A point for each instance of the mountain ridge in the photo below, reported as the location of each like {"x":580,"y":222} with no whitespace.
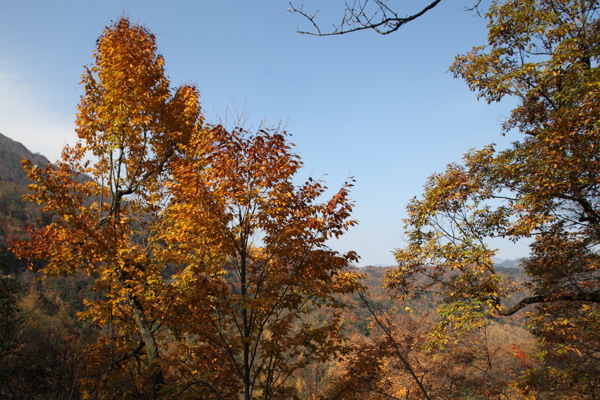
{"x":15,"y":213}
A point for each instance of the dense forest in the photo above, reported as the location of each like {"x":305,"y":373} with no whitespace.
{"x":167,"y":257}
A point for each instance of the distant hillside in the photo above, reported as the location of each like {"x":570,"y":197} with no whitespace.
{"x":516,"y":263}
{"x":11,"y":154}
{"x":15,"y":214}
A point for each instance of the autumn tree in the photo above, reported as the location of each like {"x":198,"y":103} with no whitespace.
{"x":237,"y":215}
{"x":107,"y":194}
{"x":544,"y":188}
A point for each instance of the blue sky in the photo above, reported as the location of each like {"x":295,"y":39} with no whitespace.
{"x":382,"y":109}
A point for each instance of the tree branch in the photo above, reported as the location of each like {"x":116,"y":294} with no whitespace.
{"x":388,"y":332}
{"x":585,"y":297}
{"x":356,"y":19}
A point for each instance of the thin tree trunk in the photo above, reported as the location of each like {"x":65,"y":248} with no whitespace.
{"x":152,"y":355}
{"x":156,"y":375}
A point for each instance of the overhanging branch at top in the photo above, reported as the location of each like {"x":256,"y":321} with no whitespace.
{"x":364,"y":14}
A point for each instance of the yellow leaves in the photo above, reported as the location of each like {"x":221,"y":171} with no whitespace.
{"x":187,"y":229}
{"x":543,"y":187}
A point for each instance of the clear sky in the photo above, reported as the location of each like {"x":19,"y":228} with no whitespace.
{"x":382,"y":109}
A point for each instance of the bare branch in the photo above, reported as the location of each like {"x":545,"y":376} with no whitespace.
{"x":475,"y":8}
{"x":364,"y":14}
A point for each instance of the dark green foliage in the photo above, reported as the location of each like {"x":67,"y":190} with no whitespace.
{"x":44,"y":355}
{"x":8,"y":310}
{"x":40,"y":337}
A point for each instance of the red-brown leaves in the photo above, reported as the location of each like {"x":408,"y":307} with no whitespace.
{"x":236,"y":212}
{"x":205,"y":253}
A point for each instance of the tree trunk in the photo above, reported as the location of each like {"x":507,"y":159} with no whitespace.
{"x":156,"y":376}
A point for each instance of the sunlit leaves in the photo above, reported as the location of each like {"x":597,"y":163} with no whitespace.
{"x":237,"y":215}
{"x":205,"y":252}
{"x":107,"y":194}
{"x":543,"y":187}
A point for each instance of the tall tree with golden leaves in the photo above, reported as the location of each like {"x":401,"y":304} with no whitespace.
{"x":107,"y":194}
